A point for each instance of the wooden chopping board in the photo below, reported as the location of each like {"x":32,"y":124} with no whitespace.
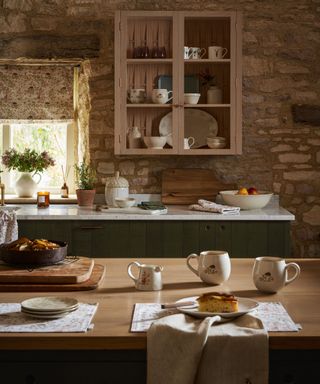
{"x":187,"y":186}
{"x":70,"y":271}
{"x":96,"y":277}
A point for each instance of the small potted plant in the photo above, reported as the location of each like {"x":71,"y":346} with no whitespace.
{"x":28,"y":163}
{"x":85,"y":179}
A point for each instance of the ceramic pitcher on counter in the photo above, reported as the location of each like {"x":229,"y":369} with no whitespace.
{"x":149,"y":276}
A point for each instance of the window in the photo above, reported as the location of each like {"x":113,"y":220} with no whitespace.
{"x":54,"y":137}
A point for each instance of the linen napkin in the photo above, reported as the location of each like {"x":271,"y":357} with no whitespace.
{"x":183,"y":350}
{"x":210,"y":206}
{"x":8,"y":227}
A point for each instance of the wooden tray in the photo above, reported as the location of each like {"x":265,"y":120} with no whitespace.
{"x":186,"y":186}
{"x":72,"y":270}
{"x":93,"y":282}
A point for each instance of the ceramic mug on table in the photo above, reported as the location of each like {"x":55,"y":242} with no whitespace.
{"x":214,"y":267}
{"x":137,"y":95}
{"x":149,"y":276}
{"x":161,"y":96}
{"x":197,"y":53}
{"x":216,"y":52}
{"x":270,"y":274}
{"x":188,"y":142}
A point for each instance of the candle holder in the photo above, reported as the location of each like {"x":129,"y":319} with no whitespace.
{"x":43,"y":199}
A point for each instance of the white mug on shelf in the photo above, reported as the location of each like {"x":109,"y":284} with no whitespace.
{"x":197,"y":53}
{"x":216,"y":52}
{"x":161,"y":96}
{"x":187,"y":53}
{"x":214,"y":267}
{"x":149,"y":278}
{"x":137,"y":95}
{"x":270,"y":274}
{"x":188,"y":142}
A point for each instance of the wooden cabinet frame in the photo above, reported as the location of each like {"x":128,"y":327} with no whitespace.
{"x":228,"y":114}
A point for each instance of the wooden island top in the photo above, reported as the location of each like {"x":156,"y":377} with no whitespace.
{"x":116,"y":297}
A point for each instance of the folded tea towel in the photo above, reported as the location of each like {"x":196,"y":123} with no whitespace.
{"x":8,"y":227}
{"x":210,"y":206}
{"x":183,"y":350}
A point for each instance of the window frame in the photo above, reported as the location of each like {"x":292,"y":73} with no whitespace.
{"x":70,"y":160}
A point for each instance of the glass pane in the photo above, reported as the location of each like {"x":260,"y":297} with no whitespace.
{"x":50,"y":137}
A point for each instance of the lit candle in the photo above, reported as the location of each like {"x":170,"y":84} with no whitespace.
{"x":43,"y":199}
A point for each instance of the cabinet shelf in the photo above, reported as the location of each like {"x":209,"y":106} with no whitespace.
{"x":174,"y":30}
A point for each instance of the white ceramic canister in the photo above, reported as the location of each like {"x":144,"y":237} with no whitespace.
{"x":214,"y":95}
{"x":116,"y":187}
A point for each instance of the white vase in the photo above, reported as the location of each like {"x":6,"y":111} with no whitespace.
{"x":25,"y":185}
{"x":214,"y":95}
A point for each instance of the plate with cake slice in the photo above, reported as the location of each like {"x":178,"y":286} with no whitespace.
{"x":217,"y":304}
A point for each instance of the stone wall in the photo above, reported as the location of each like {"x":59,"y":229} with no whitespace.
{"x":280,"y":57}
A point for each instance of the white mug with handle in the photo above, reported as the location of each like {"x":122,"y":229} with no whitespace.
{"x":214,"y":267}
{"x":216,"y":52}
{"x":270,"y":274}
{"x":188,"y":142}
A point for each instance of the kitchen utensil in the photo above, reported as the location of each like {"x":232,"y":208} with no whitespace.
{"x":95,"y":279}
{"x":155,"y":142}
{"x":246,"y":201}
{"x":161,"y":96}
{"x":116,"y":186}
{"x":70,"y":271}
{"x":134,"y":137}
{"x":149,"y":278}
{"x":270,"y":274}
{"x":186,"y":186}
{"x":197,"y":123}
{"x":191,"y":98}
{"x":245,"y":305}
{"x":188,"y":142}
{"x":125,"y":202}
{"x":215,"y":52}
{"x":179,"y":304}
{"x":214,"y":267}
{"x":191,"y":83}
{"x":34,"y":258}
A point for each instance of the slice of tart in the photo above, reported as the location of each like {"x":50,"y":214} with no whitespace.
{"x":217,"y":302}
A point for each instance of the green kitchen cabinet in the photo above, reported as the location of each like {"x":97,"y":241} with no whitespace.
{"x":163,"y":238}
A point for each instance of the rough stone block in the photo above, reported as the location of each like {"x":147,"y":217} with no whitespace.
{"x":281,"y":148}
{"x":312,"y":217}
{"x":301,"y":175}
{"x":294,"y":158}
{"x":304,"y":113}
{"x":106,"y":168}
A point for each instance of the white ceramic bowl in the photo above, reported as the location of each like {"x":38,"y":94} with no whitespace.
{"x":125,"y":202}
{"x":246,"y":201}
{"x":191,"y":98}
{"x":155,"y":142}
{"x":213,"y":145}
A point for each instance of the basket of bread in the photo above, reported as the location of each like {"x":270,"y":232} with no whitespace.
{"x":37,"y":252}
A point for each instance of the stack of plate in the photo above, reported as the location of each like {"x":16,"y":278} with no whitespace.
{"x":216,"y":142}
{"x":49,"y":307}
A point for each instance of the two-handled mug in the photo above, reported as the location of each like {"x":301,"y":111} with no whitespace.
{"x":214,"y":267}
{"x":149,"y":276}
{"x":270,"y":274}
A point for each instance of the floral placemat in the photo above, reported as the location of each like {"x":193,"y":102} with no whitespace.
{"x":13,"y":320}
{"x":274,"y":316}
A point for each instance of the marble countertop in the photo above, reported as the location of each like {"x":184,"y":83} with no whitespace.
{"x":272,"y":212}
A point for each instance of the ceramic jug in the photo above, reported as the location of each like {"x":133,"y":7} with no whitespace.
{"x":149,"y":276}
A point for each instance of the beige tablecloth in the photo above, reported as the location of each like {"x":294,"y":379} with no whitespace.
{"x":184,"y":350}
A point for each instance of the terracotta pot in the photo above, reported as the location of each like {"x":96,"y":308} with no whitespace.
{"x":85,"y":197}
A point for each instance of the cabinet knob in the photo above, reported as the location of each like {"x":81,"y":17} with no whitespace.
{"x":91,"y":227}
{"x":222,"y":227}
{"x":30,"y":379}
{"x":207,"y":227}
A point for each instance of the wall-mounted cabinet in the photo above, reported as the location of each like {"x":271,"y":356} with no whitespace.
{"x":173,"y":81}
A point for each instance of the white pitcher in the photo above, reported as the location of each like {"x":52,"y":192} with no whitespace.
{"x":149,"y":277}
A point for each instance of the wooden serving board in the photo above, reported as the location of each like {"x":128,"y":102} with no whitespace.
{"x":97,"y":276}
{"x":70,"y":271}
{"x":187,"y":186}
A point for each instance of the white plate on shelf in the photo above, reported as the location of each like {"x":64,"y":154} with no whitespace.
{"x":198,"y":124}
{"x":245,"y":305}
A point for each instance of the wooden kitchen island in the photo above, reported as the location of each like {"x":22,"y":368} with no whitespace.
{"x":111,"y":354}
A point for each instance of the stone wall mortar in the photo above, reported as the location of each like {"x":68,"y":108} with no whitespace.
{"x":280,"y":56}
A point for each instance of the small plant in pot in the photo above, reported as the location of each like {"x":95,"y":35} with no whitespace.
{"x":85,"y":179}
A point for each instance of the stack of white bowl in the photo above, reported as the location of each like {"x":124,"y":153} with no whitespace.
{"x":216,"y":142}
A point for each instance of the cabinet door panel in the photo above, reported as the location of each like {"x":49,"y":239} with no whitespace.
{"x":257,"y":237}
{"x":278,"y":239}
{"x":190,"y":238}
{"x":138,"y":234}
{"x":207,"y":235}
{"x":224,"y":236}
{"x":116,"y":239}
{"x":154,"y":239}
{"x":239,"y":240}
{"x":172,"y":238}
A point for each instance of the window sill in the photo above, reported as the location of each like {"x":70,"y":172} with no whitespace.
{"x":54,"y":199}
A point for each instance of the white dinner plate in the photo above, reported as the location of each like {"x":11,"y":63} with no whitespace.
{"x":197,"y":124}
{"x":245,"y":305}
{"x":46,"y":316}
{"x":49,"y":304}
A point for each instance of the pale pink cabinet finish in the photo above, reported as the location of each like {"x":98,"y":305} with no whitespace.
{"x":170,"y":50}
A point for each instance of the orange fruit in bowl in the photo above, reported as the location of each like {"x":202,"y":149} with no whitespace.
{"x":243,"y":191}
